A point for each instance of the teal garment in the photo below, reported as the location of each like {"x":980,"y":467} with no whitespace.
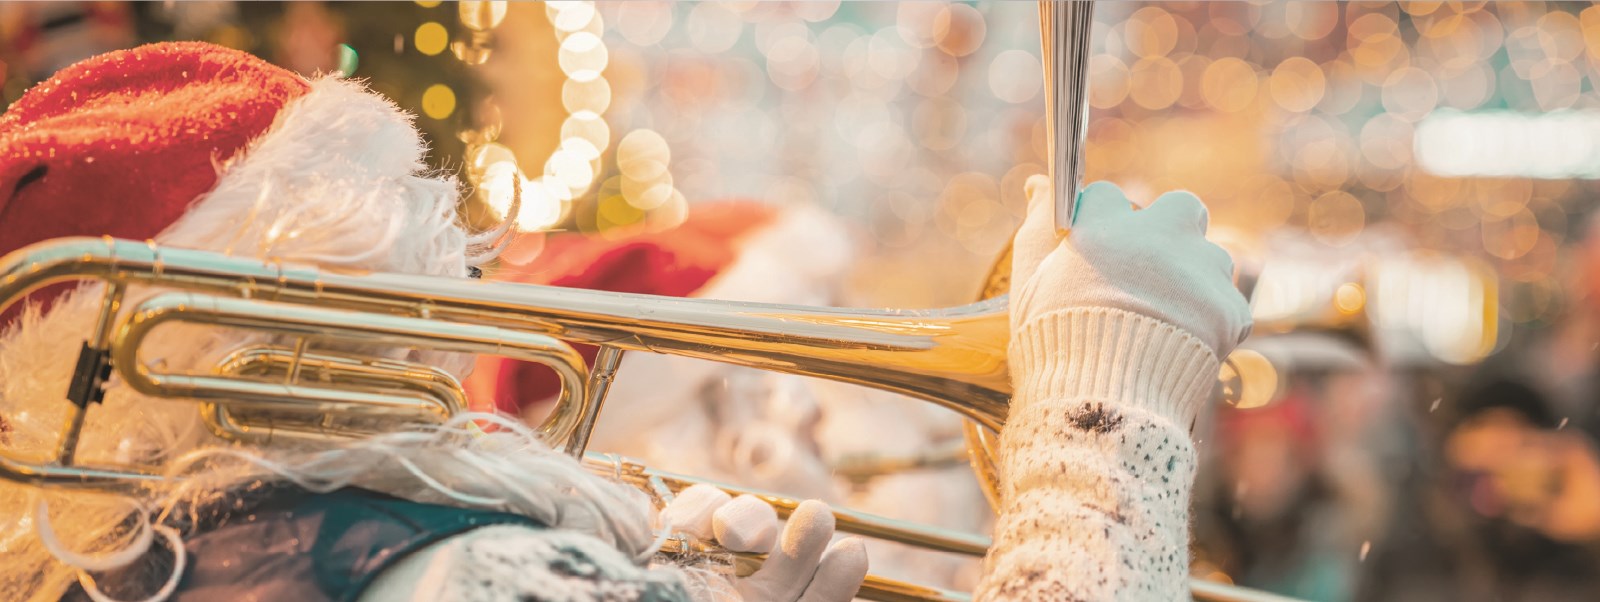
{"x":282,"y":543}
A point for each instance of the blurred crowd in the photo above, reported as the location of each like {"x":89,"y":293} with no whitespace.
{"x":1365,"y":478}
{"x":1367,"y":468}
{"x":1416,"y":418}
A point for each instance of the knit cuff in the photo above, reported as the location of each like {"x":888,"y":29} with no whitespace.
{"x":1114,"y":356}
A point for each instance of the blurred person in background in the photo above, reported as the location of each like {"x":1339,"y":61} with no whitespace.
{"x":1500,"y":496}
{"x":37,"y":38}
{"x":1283,"y":508}
{"x":1511,"y":513}
{"x":1294,"y":479}
{"x":1565,"y":357}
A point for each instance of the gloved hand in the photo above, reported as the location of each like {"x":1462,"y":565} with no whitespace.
{"x":1154,"y":262}
{"x":1072,"y":295}
{"x":800,"y":566}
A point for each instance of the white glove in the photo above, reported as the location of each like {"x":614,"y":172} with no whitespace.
{"x":1154,"y":262}
{"x":801,"y":567}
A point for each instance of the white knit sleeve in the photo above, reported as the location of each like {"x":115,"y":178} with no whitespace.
{"x":1096,"y":462}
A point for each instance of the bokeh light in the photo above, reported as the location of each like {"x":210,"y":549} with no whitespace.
{"x":481,"y":15}
{"x":438,"y":101}
{"x":1345,"y":121}
{"x":431,"y":38}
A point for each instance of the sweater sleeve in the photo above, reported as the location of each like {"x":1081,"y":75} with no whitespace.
{"x":1096,"y":462}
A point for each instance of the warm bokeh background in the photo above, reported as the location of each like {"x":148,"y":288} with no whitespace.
{"x":1413,"y":182}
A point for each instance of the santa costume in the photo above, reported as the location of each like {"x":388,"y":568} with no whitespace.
{"x":196,"y":146}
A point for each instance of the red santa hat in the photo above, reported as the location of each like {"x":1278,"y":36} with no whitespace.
{"x":201,"y":146}
{"x":730,"y":250}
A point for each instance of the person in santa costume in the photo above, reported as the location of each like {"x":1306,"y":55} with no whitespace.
{"x":1116,"y":334}
{"x":201,"y":147}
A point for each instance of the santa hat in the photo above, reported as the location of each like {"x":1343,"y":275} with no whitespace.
{"x":201,"y":146}
{"x":729,"y":250}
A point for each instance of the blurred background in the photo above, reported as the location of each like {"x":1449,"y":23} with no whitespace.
{"x":1410,"y":186}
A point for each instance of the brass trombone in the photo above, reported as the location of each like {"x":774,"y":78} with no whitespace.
{"x":954,"y":357}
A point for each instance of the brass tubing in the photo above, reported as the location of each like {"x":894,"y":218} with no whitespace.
{"x":883,"y":589}
{"x":1211,"y":591}
{"x":268,"y":362}
{"x":864,"y":468}
{"x":345,"y":326}
{"x":954,"y":357}
{"x":848,"y":521}
{"x":874,"y":587}
{"x":120,"y":479}
{"x":265,"y":362}
{"x":604,"y":372}
{"x":868,"y":525}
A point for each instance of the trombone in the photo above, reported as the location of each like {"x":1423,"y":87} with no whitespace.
{"x":954,"y":357}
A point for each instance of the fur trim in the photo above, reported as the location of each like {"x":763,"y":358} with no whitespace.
{"x":338,"y":180}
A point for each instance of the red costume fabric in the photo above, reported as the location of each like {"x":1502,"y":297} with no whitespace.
{"x":122,"y":144}
{"x":677,"y":263}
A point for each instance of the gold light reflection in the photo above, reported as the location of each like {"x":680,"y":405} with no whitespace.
{"x":479,"y":15}
{"x":430,"y":38}
{"x":1250,"y":378}
{"x":583,"y":56}
{"x":1349,"y":298}
{"x":438,"y":101}
{"x":572,"y":167}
